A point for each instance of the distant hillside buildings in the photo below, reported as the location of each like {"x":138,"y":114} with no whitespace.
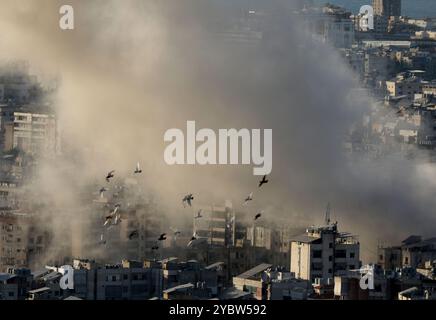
{"x":388,"y":8}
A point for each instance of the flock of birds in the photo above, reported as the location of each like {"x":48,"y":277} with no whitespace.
{"x":114,"y":217}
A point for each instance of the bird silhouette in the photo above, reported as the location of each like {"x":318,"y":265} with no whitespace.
{"x":257,"y":216}
{"x":110,"y":175}
{"x":187,"y":199}
{"x":108,"y":220}
{"x":102,"y":240}
{"x":263,"y":181}
{"x":134,"y":234}
{"x":198,"y":216}
{"x":137,"y":169}
{"x":102,"y":191}
{"x":249,"y":198}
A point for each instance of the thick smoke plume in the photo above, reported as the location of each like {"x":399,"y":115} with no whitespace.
{"x":133,"y":69}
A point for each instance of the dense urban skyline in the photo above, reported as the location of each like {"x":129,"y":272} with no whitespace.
{"x":345,"y":120}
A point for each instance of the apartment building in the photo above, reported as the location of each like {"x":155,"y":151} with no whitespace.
{"x":388,"y":8}
{"x":175,"y":273}
{"x":16,"y":83}
{"x":217,"y":224}
{"x":405,"y":85}
{"x":134,"y":280}
{"x":15,"y":284}
{"x":127,"y":281}
{"x":264,"y":282}
{"x":21,"y":240}
{"x":35,"y":133}
{"x":331,"y":24}
{"x":413,"y":252}
{"x":322,"y":253}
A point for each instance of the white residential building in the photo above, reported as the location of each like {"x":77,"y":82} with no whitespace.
{"x":35,"y":133}
{"x":322,"y":253}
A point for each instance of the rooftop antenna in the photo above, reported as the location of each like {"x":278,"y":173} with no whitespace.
{"x":327,"y":214}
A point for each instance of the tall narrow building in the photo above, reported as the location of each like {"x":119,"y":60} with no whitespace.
{"x":322,"y":253}
{"x":387,"y":8}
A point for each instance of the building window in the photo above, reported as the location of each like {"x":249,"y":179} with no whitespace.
{"x":341,"y":254}
{"x":331,"y":245}
{"x":330,"y":258}
{"x":317,"y":253}
{"x":317,"y":266}
{"x":352,"y":255}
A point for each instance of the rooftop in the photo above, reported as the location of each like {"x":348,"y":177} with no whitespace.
{"x":254,"y":271}
{"x":181,"y":287}
{"x":6,"y":276}
{"x":40,"y":290}
{"x":304,"y":238}
{"x":214,"y":265}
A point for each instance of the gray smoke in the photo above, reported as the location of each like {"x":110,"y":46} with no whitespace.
{"x":133,"y":69}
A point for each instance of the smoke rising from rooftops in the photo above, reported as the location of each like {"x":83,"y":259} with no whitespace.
{"x":133,"y":69}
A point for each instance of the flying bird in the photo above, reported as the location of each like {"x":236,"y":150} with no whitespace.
{"x":263,"y":181}
{"x":191,"y":242}
{"x":155,"y":248}
{"x":162,"y":237}
{"x":138,"y":169}
{"x":110,"y":175}
{"x":195,"y":239}
{"x":108,"y":220}
{"x":117,"y":219}
{"x":102,"y":240}
{"x":249,"y":198}
{"x":115,"y":210}
{"x":176,"y":233}
{"x":198,"y":216}
{"x":194,"y":236}
{"x":134,"y":234}
{"x":187,"y":199}
{"x":102,"y":191}
{"x":257,"y":216}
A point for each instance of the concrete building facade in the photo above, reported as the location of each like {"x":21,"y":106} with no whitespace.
{"x":322,"y":253}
